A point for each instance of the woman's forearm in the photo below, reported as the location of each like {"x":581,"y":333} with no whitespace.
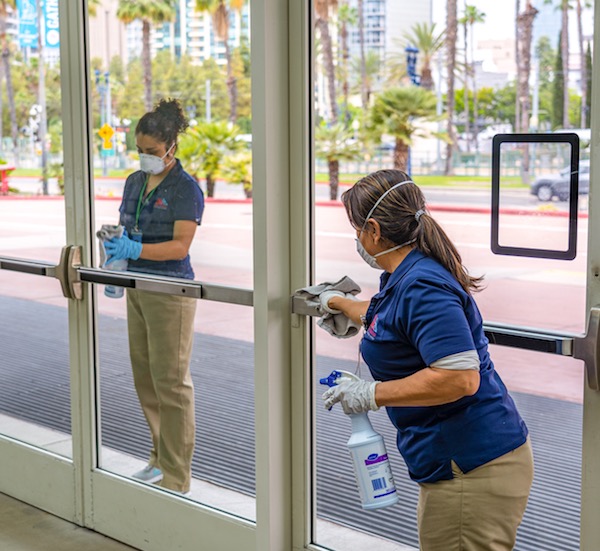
{"x":349,"y":307}
{"x":428,"y":387}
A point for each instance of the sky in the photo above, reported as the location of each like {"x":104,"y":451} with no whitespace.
{"x":500,"y":18}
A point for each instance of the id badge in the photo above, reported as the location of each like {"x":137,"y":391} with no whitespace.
{"x":136,"y":235}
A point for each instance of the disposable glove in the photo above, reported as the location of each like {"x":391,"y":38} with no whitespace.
{"x":119,"y":248}
{"x":325,"y":297}
{"x":355,"y":396}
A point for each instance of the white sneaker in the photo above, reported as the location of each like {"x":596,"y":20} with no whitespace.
{"x":149,"y":474}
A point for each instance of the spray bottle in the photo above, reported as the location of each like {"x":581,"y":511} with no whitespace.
{"x":369,"y":455}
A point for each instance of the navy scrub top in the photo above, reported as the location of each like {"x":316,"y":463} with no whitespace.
{"x":177,"y":197}
{"x":422,"y":314}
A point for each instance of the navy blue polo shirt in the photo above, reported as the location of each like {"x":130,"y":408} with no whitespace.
{"x":177,"y":197}
{"x":421,"y":314}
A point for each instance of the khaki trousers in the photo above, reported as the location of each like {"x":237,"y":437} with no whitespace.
{"x":477,"y":511}
{"x":161,"y":332}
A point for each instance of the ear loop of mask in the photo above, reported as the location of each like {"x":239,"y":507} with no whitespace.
{"x":357,"y":369}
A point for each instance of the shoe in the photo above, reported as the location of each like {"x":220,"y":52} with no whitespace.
{"x":149,"y":474}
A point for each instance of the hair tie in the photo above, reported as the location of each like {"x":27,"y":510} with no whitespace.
{"x":418,"y":214}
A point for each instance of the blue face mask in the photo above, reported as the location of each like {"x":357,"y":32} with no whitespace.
{"x":371,"y":260}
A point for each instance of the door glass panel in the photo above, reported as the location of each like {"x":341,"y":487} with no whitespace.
{"x":35,"y":404}
{"x":34,"y":364}
{"x":536,"y":292}
{"x":193,"y":65}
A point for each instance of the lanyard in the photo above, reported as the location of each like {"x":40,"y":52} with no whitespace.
{"x":138,"y":210}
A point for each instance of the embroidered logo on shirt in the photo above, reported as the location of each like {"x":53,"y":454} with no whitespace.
{"x":161,"y":203}
{"x":372,"y":330}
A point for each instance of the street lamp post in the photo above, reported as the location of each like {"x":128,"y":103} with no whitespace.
{"x":411,"y":69}
{"x":105,"y":111}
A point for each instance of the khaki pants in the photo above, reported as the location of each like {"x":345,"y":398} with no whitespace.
{"x":161,"y":332}
{"x":477,"y":511}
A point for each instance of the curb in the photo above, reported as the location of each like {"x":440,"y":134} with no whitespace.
{"x":439,"y":208}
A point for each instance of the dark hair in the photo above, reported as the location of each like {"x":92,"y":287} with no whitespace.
{"x":164,"y":123}
{"x":400,"y":220}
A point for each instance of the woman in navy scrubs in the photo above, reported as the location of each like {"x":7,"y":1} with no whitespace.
{"x":162,"y":207}
{"x":459,"y":430}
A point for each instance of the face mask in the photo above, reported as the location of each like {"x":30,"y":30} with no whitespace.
{"x":152,"y":164}
{"x":370,"y":259}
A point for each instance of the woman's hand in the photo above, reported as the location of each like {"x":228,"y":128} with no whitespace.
{"x":122,"y":248}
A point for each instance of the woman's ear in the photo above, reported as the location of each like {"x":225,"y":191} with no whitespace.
{"x":374,"y":230}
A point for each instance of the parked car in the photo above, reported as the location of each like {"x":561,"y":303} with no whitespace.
{"x":548,"y":187}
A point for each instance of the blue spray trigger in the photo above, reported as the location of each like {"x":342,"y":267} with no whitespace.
{"x":331,"y":379}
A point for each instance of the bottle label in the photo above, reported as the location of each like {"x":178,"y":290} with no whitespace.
{"x":374,"y":473}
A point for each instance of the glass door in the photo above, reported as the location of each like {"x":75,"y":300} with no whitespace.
{"x":37,"y":420}
{"x":535,"y":309}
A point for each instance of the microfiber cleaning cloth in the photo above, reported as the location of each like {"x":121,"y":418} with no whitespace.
{"x":337,"y":325}
{"x":106,"y":233}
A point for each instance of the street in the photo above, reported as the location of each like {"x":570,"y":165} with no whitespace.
{"x":522,"y":291}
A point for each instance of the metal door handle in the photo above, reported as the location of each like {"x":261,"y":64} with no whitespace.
{"x":586,"y":348}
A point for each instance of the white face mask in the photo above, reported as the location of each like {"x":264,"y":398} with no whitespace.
{"x":152,"y":164}
{"x":368,"y":258}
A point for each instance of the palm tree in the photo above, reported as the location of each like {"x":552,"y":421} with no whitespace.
{"x":525,"y":21}
{"x":424,"y":37}
{"x":204,"y":147}
{"x":471,"y":16}
{"x":323,"y":9}
{"x":398,"y":112}
{"x":369,"y":71}
{"x":364,"y":95}
{"x":237,"y":169}
{"x":150,"y":12}
{"x":334,"y":143}
{"x":347,"y":16}
{"x":5,"y":5}
{"x":583,"y":58}
{"x":451,"y":32}
{"x":220,"y":11}
{"x":564,"y":6}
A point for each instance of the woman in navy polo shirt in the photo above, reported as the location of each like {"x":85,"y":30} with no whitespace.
{"x":162,"y":207}
{"x":459,"y":430}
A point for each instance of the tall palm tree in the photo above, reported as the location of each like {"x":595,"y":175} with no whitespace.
{"x":221,"y":11}
{"x":564,"y":6}
{"x":150,"y":12}
{"x":323,"y":11}
{"x":369,"y":69}
{"x":471,"y":16}
{"x":399,"y":112}
{"x":425,"y":38}
{"x":523,"y":104}
{"x":347,"y":16}
{"x":451,"y":32}
{"x":5,"y":6}
{"x":525,"y":21}
{"x":363,"y":60}
{"x":583,"y":59}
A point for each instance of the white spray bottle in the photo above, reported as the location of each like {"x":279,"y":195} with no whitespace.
{"x":369,"y":455}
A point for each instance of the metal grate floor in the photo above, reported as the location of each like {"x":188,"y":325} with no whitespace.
{"x":34,"y":386}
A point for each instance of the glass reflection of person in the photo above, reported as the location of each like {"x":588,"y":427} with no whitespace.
{"x":458,"y":428}
{"x":162,"y":206}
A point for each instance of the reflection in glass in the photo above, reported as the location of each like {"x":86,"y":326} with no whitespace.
{"x":222,"y":372}
{"x":160,"y":159}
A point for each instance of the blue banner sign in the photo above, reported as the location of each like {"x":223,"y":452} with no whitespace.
{"x":28,"y":24}
{"x":51,"y":24}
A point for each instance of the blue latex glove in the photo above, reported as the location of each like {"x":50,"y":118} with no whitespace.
{"x":120,"y":248}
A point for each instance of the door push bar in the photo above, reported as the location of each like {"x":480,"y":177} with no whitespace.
{"x":582,"y":347}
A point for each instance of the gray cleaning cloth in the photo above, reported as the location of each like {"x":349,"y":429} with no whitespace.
{"x":338,"y":325}
{"x":106,"y":233}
